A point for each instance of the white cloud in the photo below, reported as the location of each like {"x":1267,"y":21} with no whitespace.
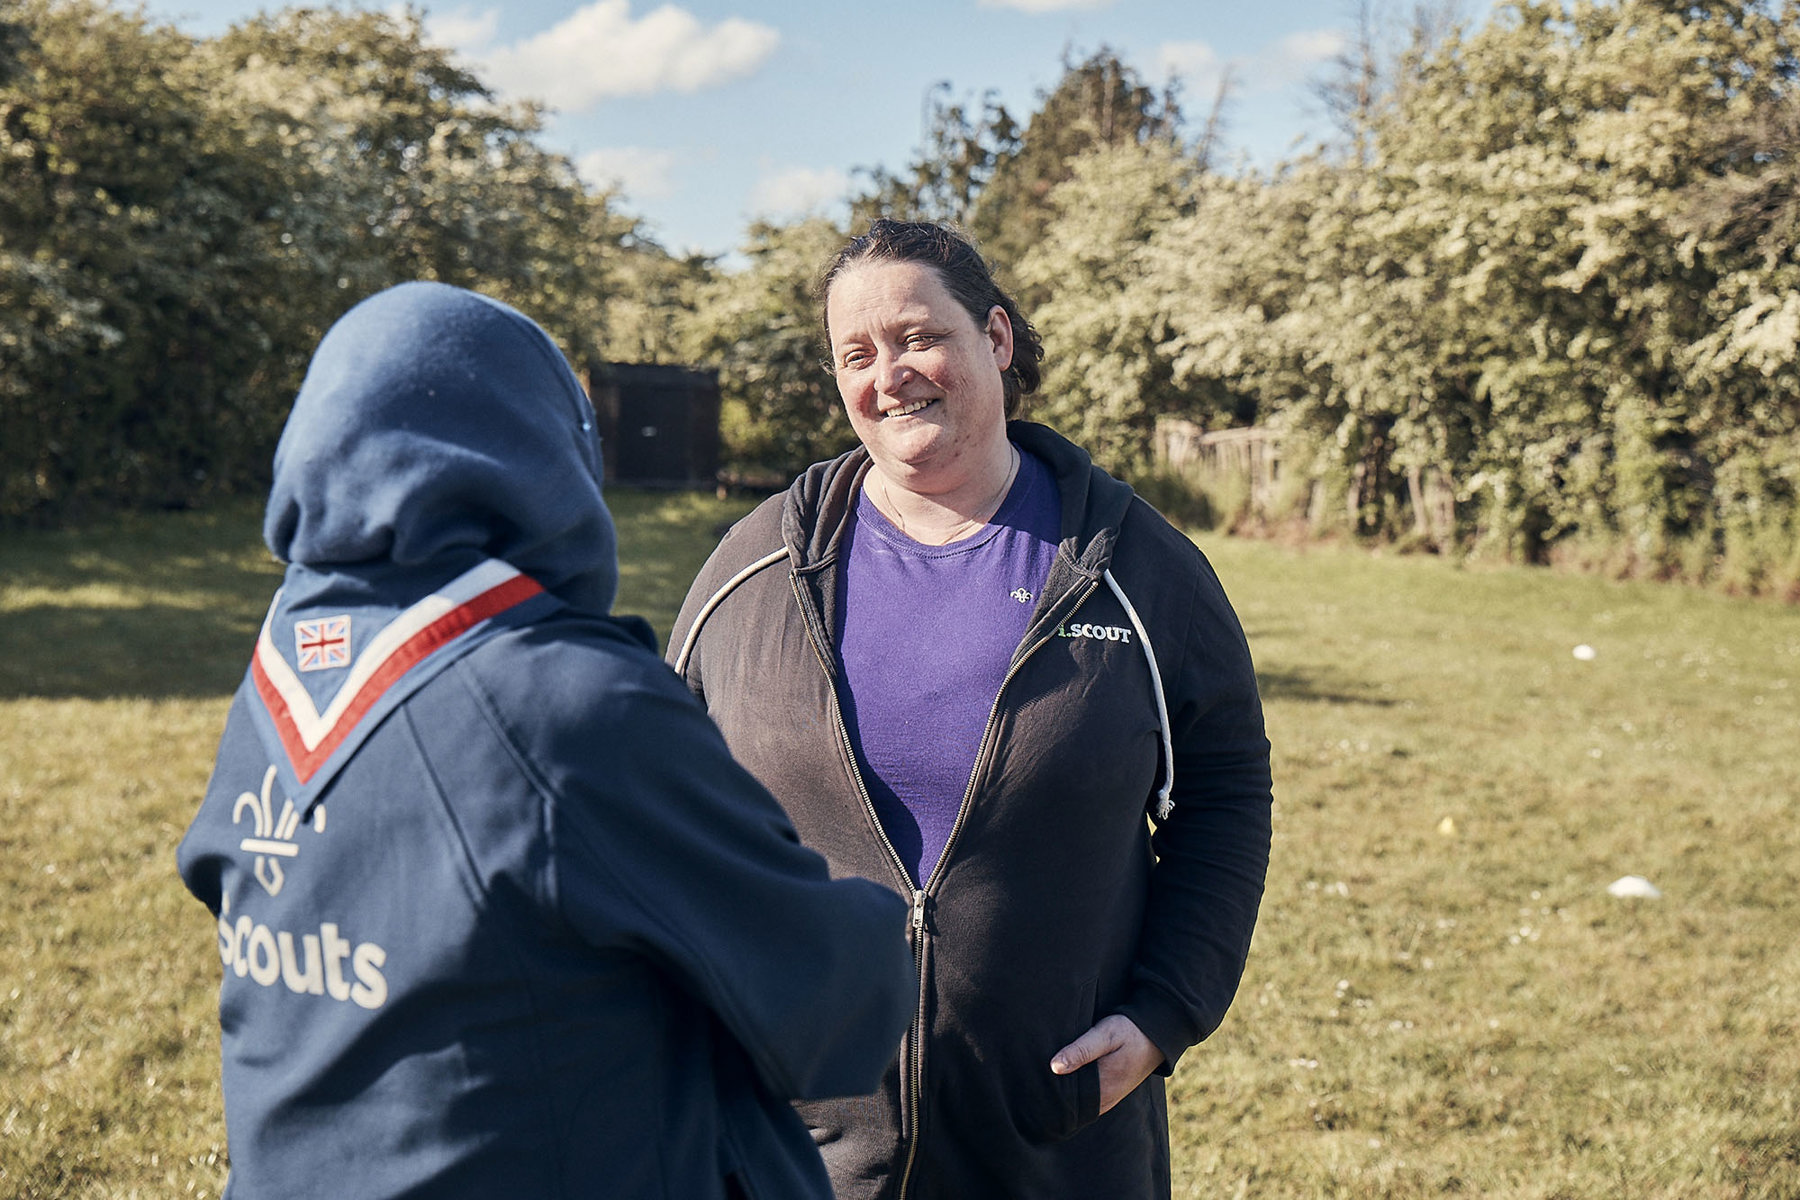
{"x":1295,"y":57}
{"x":600,"y":51}
{"x":1271,"y":68}
{"x":1044,"y":6}
{"x":798,"y":191}
{"x":640,"y":173}
{"x":464,"y":29}
{"x":1309,"y":46}
{"x":1195,"y":63}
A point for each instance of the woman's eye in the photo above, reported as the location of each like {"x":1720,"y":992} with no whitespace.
{"x":920,"y":341}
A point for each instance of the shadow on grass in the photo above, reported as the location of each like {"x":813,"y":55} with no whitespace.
{"x":161,"y":607}
{"x":153,"y":650}
{"x":168,"y":605}
{"x":1318,"y":688}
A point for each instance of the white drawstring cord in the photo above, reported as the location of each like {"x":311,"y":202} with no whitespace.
{"x":718,"y":597}
{"x":1164,"y":804}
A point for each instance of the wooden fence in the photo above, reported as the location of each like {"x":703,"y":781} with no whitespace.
{"x":1252,"y":454}
{"x":1374,"y":501}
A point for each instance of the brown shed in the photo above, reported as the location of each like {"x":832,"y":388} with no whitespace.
{"x":659,"y":425}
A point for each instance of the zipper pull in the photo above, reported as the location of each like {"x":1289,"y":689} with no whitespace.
{"x":918,"y":911}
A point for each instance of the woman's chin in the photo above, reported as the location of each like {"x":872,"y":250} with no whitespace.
{"x":909,"y":445}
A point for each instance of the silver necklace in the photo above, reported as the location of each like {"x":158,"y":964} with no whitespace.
{"x":982,"y":514}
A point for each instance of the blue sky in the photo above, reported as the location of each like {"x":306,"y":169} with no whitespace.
{"x":708,"y":113}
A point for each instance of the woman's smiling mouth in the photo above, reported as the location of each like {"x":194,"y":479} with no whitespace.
{"x":907,"y":410}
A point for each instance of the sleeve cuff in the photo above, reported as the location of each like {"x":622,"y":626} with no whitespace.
{"x":1164,"y":1023}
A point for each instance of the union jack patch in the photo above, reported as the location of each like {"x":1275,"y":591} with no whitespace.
{"x":322,"y":644}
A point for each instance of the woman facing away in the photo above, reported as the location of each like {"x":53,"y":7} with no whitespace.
{"x":970,"y":664}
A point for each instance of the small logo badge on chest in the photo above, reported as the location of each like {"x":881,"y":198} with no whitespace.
{"x":1021,"y":595}
{"x":1106,"y":633}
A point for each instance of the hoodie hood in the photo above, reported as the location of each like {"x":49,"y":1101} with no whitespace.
{"x":437,"y":483}
{"x":436,"y":427}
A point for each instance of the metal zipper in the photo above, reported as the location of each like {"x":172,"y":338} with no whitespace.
{"x":914,"y":1076}
{"x":921,"y":896}
{"x":843,"y":731}
{"x":917,"y":917}
{"x":915,"y":1089}
{"x":987,"y":735}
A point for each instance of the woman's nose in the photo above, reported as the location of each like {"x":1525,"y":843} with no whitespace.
{"x":891,"y":372}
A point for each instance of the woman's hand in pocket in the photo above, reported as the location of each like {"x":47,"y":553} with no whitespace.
{"x":1126,"y":1057}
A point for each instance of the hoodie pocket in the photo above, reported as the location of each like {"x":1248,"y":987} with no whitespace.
{"x":1051,"y":1106}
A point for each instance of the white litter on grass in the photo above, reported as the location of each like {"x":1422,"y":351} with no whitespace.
{"x":1585,"y":652}
{"x":1634,"y":886}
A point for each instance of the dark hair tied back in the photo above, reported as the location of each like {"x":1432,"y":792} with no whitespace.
{"x":964,"y":274}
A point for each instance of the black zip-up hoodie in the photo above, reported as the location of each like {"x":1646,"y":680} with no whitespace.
{"x":1055,"y":902}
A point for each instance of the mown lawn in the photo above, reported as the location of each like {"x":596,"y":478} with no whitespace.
{"x":1443,"y":998}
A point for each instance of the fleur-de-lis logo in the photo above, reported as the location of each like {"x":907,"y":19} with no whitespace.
{"x":1021,"y":595}
{"x":274,"y":835}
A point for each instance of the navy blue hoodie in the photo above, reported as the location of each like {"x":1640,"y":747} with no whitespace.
{"x":497,"y":912}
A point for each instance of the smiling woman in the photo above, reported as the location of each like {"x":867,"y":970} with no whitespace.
{"x":1066,"y":958}
{"x":921,"y":381}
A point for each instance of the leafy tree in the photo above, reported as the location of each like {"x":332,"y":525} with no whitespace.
{"x":132,"y":258}
{"x":1099,"y":102}
{"x":962,"y":151}
{"x":1744,"y":369}
{"x":180,"y":220}
{"x":1364,"y":78}
{"x":1106,"y":374}
{"x":760,"y":327}
{"x":416,"y":171}
{"x":651,"y":301}
{"x":14,"y":37}
{"x":1501,"y":295}
{"x":1531,"y":170}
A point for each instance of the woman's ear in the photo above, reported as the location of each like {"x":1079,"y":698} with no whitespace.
{"x":1000,"y":335}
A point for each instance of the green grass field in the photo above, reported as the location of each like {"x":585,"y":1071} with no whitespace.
{"x":1443,"y":998}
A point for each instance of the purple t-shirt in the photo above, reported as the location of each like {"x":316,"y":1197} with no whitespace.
{"x":925,"y":635}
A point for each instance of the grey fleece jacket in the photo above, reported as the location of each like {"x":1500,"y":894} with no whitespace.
{"x":1056,"y":902}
